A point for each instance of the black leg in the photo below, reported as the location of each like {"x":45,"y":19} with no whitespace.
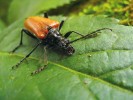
{"x":91,"y":35}
{"x":46,"y":15}
{"x":61,"y":24}
{"x":29,"y":33}
{"x":45,"y":62}
{"x":17,"y":65}
{"x":21,"y":39}
{"x":70,"y":32}
{"x":21,"y":42}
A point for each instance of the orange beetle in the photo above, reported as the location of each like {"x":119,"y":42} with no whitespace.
{"x":47,"y":32}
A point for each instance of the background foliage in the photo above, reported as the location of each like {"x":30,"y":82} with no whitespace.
{"x":120,"y":9}
{"x":101,"y":67}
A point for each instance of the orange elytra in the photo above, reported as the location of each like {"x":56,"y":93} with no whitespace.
{"x":39,"y":25}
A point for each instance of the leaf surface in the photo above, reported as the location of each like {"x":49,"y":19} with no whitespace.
{"x":56,"y":82}
{"x":2,"y":25}
{"x":27,"y":8}
{"x":100,"y":65}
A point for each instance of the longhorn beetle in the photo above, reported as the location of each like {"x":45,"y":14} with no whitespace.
{"x":47,"y":32}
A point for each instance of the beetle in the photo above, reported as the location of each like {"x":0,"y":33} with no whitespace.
{"x":47,"y":32}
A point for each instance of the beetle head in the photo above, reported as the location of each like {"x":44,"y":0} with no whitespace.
{"x":66,"y":47}
{"x":69,"y":50}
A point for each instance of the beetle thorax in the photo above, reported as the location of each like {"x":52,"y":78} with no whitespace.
{"x":56,"y":39}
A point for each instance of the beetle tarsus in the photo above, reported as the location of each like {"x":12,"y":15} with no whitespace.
{"x":38,"y":70}
{"x":17,"y":65}
{"x":13,"y":67}
{"x":16,"y":48}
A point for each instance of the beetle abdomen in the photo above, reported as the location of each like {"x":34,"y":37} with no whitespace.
{"x":39,"y":25}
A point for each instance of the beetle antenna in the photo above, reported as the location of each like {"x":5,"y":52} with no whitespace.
{"x":92,"y":34}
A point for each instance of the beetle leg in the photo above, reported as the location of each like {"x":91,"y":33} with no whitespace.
{"x":21,"y":39}
{"x":46,"y":15}
{"x":45,"y":55}
{"x":39,"y":70}
{"x":29,"y":33}
{"x":20,"y":43}
{"x":17,"y":65}
{"x":90,"y":35}
{"x":70,"y":32}
{"x":45,"y":61}
{"x":61,"y":24}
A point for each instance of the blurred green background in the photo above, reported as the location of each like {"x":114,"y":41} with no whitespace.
{"x":120,"y":9}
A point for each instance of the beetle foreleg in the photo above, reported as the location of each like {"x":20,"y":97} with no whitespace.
{"x":17,"y":65}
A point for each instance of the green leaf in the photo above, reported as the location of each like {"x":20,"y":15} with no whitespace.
{"x":27,"y":8}
{"x":55,"y":83}
{"x":2,"y":25}
{"x":101,"y":67}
